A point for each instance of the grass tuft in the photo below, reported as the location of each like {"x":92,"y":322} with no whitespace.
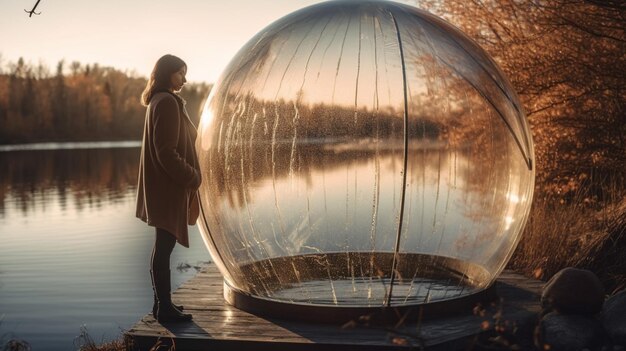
{"x":84,"y":342}
{"x":585,"y":228}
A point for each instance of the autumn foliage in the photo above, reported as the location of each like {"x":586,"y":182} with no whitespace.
{"x":77,"y":103}
{"x":567,"y":61}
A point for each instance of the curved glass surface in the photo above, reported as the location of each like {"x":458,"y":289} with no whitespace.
{"x":363,"y":154}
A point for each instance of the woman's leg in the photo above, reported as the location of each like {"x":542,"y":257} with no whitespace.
{"x":164,"y":311}
{"x":161,"y":252}
{"x":163,"y":247}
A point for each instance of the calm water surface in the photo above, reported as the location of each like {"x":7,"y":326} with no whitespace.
{"x":72,"y":252}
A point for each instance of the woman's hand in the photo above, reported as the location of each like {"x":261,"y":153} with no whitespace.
{"x":193,"y":211}
{"x":196,"y":181}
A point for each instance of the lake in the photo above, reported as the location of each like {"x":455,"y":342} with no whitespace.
{"x":72,"y":253}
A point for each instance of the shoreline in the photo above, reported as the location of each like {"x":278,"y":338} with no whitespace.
{"x":70,"y":145}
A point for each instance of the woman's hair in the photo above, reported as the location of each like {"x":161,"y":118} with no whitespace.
{"x":160,"y":79}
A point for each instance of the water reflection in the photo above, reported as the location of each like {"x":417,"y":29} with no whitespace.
{"x":91,"y":178}
{"x":349,"y":181}
{"x":72,"y":252}
{"x":321,"y":182}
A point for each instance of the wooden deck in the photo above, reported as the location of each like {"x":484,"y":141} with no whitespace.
{"x":219,"y":326}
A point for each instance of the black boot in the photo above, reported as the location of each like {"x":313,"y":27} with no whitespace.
{"x":155,"y":303}
{"x":165,"y":312}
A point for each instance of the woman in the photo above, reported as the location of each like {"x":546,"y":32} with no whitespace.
{"x":169,"y":177}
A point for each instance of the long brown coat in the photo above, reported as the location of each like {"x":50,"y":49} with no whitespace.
{"x":169,"y":175}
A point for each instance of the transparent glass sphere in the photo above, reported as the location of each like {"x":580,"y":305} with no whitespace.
{"x":363,"y":154}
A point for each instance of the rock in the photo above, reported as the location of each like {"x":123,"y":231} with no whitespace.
{"x":573,"y":291}
{"x":614,"y":318}
{"x":569,"y":332}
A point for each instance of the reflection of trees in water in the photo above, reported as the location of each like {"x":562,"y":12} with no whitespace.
{"x":260,"y":140}
{"x":460,"y":163}
{"x":90,"y":178}
{"x":252,"y":141}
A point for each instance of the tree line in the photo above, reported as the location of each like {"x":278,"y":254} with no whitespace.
{"x":565,"y":58}
{"x":78,"y":102}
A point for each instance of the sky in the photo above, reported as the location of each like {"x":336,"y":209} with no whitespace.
{"x":132,"y":35}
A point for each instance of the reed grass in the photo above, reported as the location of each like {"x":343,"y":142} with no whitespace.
{"x":9,"y":342}
{"x":84,"y":342}
{"x":584,"y":228}
{"x":115,"y":345}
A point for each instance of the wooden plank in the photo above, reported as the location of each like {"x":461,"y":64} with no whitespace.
{"x":217,"y":325}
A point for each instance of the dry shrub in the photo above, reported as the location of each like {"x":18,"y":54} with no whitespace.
{"x":577,"y":230}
